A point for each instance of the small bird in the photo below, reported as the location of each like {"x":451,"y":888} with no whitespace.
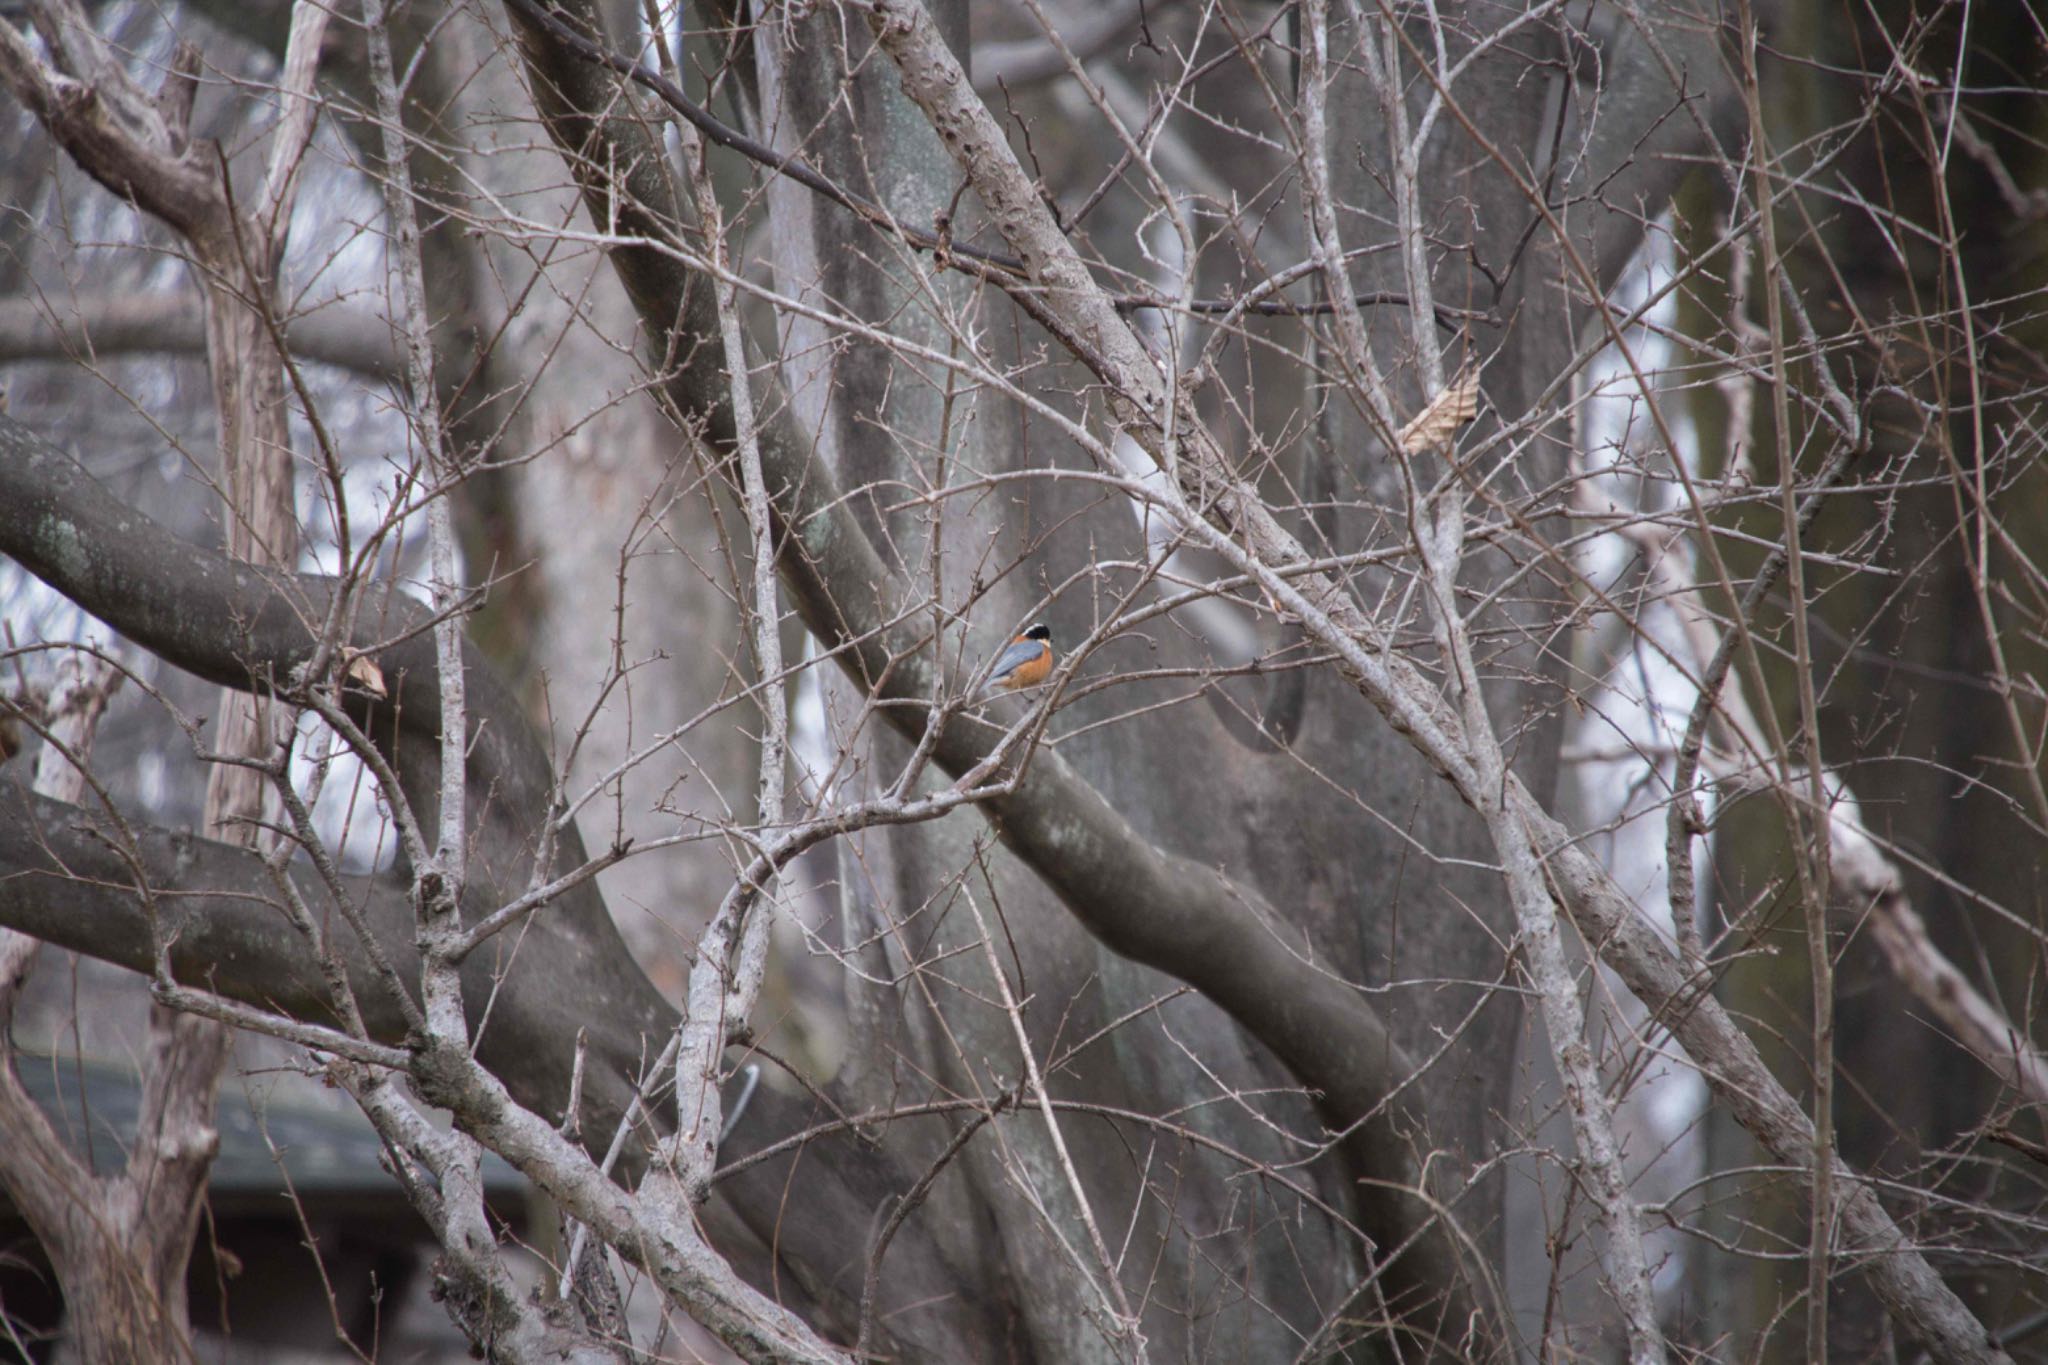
{"x":1025,"y":663}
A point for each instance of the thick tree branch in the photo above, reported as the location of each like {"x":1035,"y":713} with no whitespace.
{"x":116,"y":133}
{"x":1872,"y":885}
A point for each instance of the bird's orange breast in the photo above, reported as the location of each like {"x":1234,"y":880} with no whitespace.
{"x":1033,"y":670}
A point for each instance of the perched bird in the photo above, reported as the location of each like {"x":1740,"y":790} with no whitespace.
{"x":1026,"y":662}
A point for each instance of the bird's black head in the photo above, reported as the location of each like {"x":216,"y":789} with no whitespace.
{"x":1040,"y":632}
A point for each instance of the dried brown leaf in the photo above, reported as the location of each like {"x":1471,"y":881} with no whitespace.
{"x":1436,"y":424}
{"x":363,"y":669}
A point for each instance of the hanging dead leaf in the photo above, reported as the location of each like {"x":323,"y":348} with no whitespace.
{"x":363,"y":669}
{"x":1436,"y":424}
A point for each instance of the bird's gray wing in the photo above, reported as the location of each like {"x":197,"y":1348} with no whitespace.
{"x":1019,"y":652}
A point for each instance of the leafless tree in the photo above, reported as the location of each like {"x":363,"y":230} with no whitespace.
{"x":1445,"y":442}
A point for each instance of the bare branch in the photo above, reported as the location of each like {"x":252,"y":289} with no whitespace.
{"x":83,"y":326}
